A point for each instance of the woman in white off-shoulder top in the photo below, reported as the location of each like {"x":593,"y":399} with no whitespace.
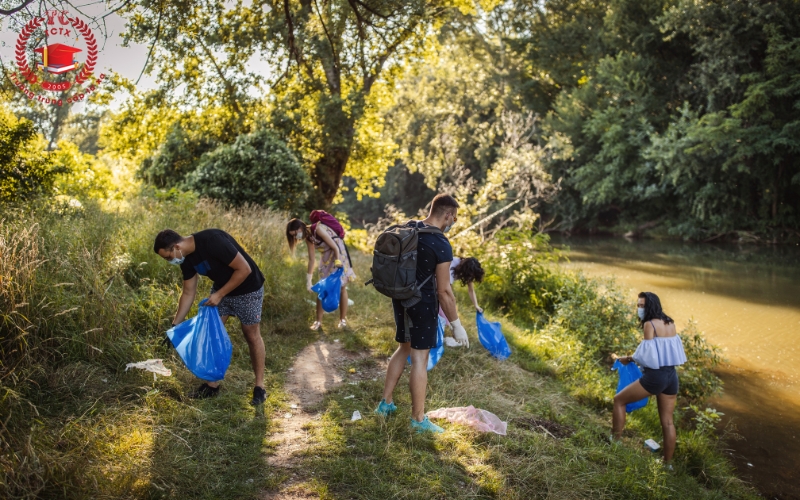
{"x":658,"y":354}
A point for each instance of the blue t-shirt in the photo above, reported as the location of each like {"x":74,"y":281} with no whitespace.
{"x":432,"y":249}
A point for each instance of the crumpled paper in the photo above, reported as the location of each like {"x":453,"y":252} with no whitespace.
{"x":482,"y":420}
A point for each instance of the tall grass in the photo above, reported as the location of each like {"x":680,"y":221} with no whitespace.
{"x":81,"y":295}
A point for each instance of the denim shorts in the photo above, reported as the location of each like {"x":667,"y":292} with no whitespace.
{"x":661,"y":381}
{"x":246,"y":307}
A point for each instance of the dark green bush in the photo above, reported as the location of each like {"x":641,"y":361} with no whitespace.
{"x":258,"y":168}
{"x":177,"y":157}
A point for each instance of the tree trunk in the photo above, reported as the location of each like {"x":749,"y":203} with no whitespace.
{"x":327,"y":177}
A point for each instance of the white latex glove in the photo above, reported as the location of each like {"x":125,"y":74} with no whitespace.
{"x":459,"y":333}
{"x":451,"y":342}
{"x":308,"y":282}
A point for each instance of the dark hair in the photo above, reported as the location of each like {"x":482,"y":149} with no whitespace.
{"x":166,"y":239}
{"x":442,"y":203}
{"x":468,"y":270}
{"x":652,"y":309}
{"x":291,"y":227}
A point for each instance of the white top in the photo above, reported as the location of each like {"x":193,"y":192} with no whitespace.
{"x":660,"y":351}
{"x":456,"y":261}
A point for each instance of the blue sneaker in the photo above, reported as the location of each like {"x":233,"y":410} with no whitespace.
{"x":385,"y":409}
{"x":426,"y":426}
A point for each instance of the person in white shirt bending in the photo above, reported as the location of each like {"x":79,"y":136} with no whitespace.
{"x":658,"y":354}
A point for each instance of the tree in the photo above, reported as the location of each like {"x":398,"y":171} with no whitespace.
{"x":337,"y":50}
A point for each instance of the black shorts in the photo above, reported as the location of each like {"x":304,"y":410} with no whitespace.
{"x":424,"y":318}
{"x":661,"y":381}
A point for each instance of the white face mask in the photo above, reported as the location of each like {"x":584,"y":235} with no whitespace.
{"x":176,"y":261}
{"x":447,"y":228}
{"x":640,"y":312}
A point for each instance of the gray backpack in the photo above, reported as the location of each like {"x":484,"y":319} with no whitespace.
{"x":394,"y":262}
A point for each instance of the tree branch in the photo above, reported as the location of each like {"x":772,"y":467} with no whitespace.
{"x":333,"y":79}
{"x":372,"y":11}
{"x":8,"y":12}
{"x":152,"y":46}
{"x":293,"y":50}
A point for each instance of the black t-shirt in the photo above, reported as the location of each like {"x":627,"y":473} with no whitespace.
{"x":432,"y":249}
{"x":214,"y":250}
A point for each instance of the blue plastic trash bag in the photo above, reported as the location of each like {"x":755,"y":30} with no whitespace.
{"x":203,"y":344}
{"x":491,"y":336}
{"x":329,"y":290}
{"x":629,"y":374}
{"x":435,"y":354}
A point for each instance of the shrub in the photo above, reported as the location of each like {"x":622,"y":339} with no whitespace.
{"x":26,"y":169}
{"x":258,"y":168}
{"x":177,"y":157}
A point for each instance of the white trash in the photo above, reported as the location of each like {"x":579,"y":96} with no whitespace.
{"x":652,"y":445}
{"x":287,"y":416}
{"x":350,"y":396}
{"x":151,"y":365}
{"x":356,"y":416}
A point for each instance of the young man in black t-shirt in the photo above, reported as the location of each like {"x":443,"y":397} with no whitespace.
{"x":238,"y":290}
{"x":434,"y":255}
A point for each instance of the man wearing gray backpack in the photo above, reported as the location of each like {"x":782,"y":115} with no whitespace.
{"x":411,"y":264}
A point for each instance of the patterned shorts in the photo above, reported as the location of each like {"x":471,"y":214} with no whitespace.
{"x":246,"y":307}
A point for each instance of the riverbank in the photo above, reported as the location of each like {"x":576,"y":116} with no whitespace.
{"x":88,"y":296}
{"x":747,"y":301}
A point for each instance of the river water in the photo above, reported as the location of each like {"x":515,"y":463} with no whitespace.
{"x":746,"y":300}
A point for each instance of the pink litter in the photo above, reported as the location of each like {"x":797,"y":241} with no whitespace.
{"x":482,"y":420}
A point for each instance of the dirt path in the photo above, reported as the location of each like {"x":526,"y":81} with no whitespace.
{"x":318,"y":368}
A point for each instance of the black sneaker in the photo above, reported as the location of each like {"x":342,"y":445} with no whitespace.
{"x":259,"y":396}
{"x":204,"y":391}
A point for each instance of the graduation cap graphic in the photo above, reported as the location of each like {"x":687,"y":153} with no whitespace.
{"x":57,"y":58}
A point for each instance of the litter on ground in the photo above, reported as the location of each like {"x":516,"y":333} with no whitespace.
{"x":356,"y":416}
{"x":481,"y":420}
{"x":151,"y":365}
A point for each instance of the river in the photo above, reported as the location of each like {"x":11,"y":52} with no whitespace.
{"x":746,"y":299}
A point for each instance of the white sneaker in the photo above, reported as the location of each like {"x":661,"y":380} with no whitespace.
{"x":342,"y":324}
{"x":316,"y":325}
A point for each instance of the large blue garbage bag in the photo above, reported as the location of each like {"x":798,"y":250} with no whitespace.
{"x":203,"y":344}
{"x":436,"y":353}
{"x":329,"y":290}
{"x":629,"y":374}
{"x":491,"y":336}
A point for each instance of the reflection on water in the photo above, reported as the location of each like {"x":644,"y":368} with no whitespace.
{"x":747,"y":301}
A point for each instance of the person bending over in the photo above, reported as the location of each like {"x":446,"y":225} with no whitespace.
{"x":334,"y":255}
{"x":658,"y":354}
{"x":467,"y":271}
{"x":416,"y":326}
{"x":238,"y":290}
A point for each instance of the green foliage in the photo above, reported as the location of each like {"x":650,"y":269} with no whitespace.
{"x":258,"y":168}
{"x":706,"y":420}
{"x":26,"y":168}
{"x":82,"y":175}
{"x":177,"y":157}
{"x":81,"y":295}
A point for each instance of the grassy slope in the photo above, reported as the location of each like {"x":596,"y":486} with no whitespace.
{"x":102,"y":432}
{"x":377,"y":458}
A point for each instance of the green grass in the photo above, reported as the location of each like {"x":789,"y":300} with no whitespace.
{"x":88,"y":295}
{"x":381,"y":458}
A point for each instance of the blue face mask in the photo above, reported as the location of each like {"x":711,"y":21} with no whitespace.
{"x":176,"y":261}
{"x":640,"y":312}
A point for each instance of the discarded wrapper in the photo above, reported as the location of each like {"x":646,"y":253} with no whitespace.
{"x":652,"y":445}
{"x":151,"y":365}
{"x":356,"y":416}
